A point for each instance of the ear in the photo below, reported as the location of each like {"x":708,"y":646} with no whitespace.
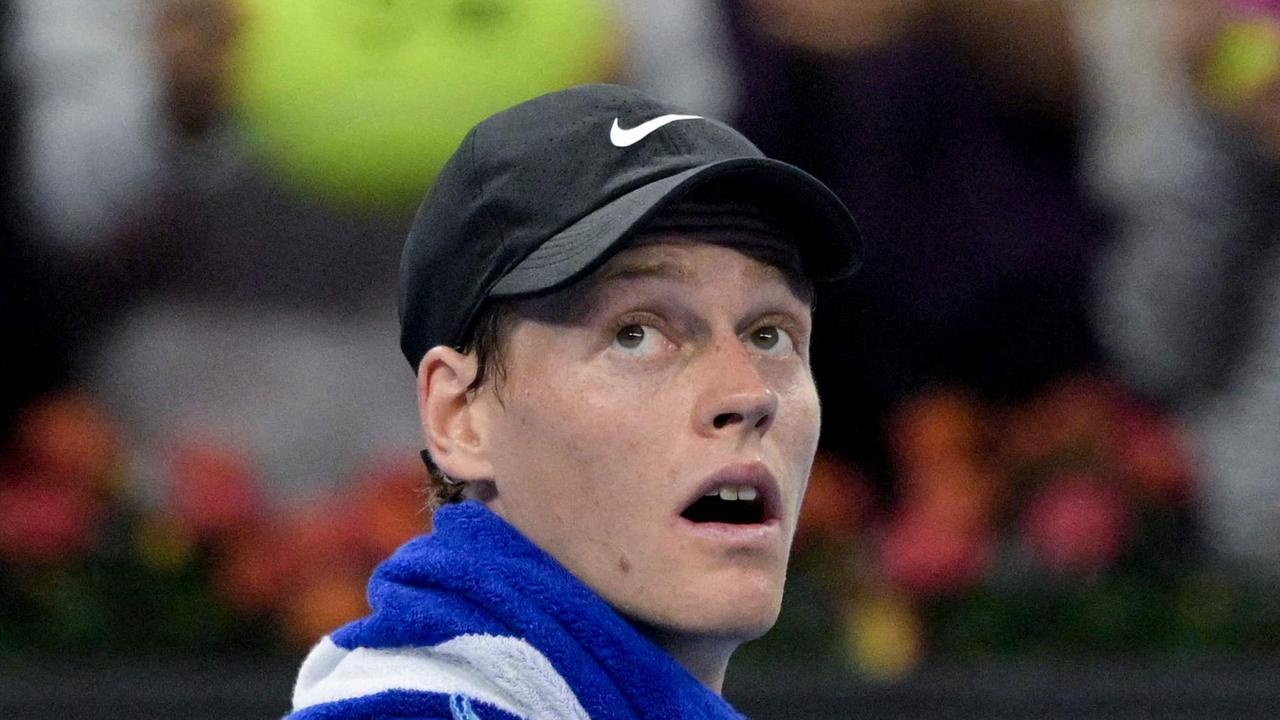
{"x":448,"y":414}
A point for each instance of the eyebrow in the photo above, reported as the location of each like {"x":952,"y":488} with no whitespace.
{"x":667,"y":269}
{"x":639,"y":270}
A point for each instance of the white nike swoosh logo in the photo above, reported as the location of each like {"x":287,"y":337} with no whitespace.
{"x":627,"y":137}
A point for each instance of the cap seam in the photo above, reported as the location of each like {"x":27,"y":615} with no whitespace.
{"x":477,"y":180}
{"x":478,"y":183}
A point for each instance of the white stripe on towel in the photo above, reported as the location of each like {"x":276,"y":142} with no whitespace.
{"x":505,"y":672}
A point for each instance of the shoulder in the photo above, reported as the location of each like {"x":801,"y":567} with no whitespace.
{"x":505,"y":677}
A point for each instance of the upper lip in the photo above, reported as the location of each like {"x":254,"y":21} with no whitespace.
{"x":753,"y":474}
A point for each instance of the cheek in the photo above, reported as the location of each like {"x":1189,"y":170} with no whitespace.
{"x":800,"y":413}
{"x":577,"y":465}
{"x":797,"y":430}
{"x":583,"y":436}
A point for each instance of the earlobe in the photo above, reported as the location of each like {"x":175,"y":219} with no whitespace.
{"x":448,"y":414}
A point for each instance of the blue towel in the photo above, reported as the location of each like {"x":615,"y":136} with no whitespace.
{"x":476,"y":622}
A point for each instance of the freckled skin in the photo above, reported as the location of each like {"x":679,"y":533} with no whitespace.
{"x":596,"y":448}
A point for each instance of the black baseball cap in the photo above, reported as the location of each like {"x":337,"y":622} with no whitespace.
{"x":538,"y":196}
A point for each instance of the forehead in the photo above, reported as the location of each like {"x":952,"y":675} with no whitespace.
{"x":677,"y":257}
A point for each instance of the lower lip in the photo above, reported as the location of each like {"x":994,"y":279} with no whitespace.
{"x":756,"y":535}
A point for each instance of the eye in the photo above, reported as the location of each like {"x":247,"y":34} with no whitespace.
{"x":772,"y":339}
{"x":637,"y":339}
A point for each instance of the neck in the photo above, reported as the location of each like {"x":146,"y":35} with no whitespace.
{"x":705,"y":658}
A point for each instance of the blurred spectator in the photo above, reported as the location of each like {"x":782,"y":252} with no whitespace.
{"x":257,"y":319}
{"x":1188,"y":296}
{"x":227,"y":304}
{"x":93,"y":136}
{"x":679,"y":51}
{"x":27,"y":315}
{"x":225,"y":308}
{"x":947,"y":128}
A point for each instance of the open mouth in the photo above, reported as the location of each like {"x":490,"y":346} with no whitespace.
{"x":733,"y":505}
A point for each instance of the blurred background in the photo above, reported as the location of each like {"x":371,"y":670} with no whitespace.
{"x":1049,"y":482}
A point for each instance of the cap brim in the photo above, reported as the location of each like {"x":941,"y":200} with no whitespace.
{"x":825,"y":234}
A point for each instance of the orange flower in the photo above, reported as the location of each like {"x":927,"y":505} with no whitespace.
{"x":322,"y":605}
{"x":321,"y":539}
{"x":838,"y":497}
{"x":389,"y":506}
{"x":68,"y":440}
{"x":263,"y":567}
{"x":1069,"y":420}
{"x":957,"y":496}
{"x":936,"y":428}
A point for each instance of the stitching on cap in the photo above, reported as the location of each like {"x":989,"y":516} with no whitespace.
{"x":476,"y":180}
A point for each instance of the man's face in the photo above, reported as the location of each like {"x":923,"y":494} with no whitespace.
{"x":677,"y":370}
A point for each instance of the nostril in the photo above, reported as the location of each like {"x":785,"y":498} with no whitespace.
{"x":764,"y":420}
{"x":725,"y":419}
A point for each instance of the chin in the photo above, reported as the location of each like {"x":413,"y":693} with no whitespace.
{"x":709,"y":629}
{"x":746,"y":629}
{"x":732,"y":629}
{"x":743,"y":614}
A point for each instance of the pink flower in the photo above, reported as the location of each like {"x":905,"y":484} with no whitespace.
{"x":925,"y":559}
{"x":1076,"y":523}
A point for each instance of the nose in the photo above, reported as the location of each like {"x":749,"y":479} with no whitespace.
{"x":736,"y":398}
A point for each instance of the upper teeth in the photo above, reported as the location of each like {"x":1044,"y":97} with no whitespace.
{"x":733,"y":492}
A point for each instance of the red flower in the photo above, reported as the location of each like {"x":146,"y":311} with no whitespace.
{"x":40,"y":522}
{"x":1151,"y":454}
{"x":1076,"y":523}
{"x":213,"y":494}
{"x":254,"y":572}
{"x":263,"y":567}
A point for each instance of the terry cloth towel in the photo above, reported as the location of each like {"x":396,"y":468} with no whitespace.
{"x":475,"y":622}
